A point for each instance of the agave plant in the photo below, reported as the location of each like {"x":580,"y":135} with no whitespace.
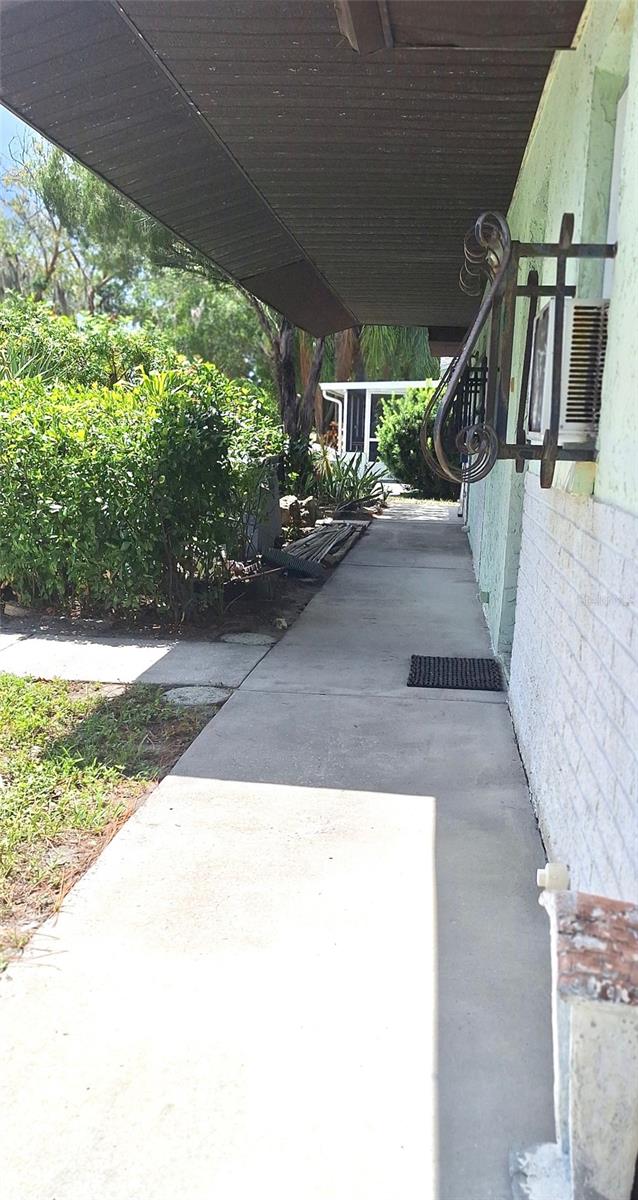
{"x":345,"y":481}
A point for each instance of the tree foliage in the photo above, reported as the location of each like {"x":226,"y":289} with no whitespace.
{"x":204,"y":319}
{"x":382,"y":352}
{"x":398,"y":352}
{"x":66,"y":234}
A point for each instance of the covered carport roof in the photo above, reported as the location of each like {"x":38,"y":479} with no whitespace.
{"x":328,"y":156}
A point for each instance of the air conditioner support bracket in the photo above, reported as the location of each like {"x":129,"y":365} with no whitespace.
{"x":475,"y":443}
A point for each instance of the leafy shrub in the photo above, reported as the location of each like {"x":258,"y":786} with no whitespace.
{"x":344,"y":480}
{"x":113,"y":498}
{"x":252,"y":415}
{"x":256,"y":446}
{"x":36,"y":341}
{"x":398,"y":436}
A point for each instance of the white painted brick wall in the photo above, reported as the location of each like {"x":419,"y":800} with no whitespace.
{"x":574,"y":683}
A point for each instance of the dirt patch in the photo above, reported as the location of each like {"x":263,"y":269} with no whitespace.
{"x":269,"y":606}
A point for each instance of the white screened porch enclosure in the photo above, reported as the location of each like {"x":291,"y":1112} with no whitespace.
{"x":356,"y":408}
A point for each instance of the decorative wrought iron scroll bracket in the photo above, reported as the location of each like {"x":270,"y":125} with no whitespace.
{"x":464,"y":445}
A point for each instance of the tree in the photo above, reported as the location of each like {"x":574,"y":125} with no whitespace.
{"x":379,"y":352}
{"x":65,"y":233}
{"x":281,"y":339}
{"x":348,"y":355}
{"x":110,"y":249}
{"x":297,"y":410}
{"x":383,"y":352}
{"x":31,"y":235}
{"x":203,"y":319}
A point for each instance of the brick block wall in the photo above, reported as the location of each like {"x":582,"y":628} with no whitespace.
{"x":574,"y":683}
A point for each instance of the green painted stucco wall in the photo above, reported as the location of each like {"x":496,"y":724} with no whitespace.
{"x":617,"y":471}
{"x":567,"y":168}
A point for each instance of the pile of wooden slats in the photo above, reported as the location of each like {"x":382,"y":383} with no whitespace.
{"x":324,"y":547}
{"x":325,"y":542}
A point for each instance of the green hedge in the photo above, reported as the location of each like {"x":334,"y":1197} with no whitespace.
{"x":399,"y":445}
{"x":113,"y":498}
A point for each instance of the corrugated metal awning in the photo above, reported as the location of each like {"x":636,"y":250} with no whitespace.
{"x":329,"y":157}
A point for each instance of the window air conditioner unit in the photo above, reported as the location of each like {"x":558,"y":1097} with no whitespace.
{"x":583,"y":360}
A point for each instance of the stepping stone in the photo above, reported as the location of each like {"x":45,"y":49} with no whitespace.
{"x":190,"y":696}
{"x":249,"y":639}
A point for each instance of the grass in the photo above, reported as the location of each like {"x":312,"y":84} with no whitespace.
{"x":75,"y":760}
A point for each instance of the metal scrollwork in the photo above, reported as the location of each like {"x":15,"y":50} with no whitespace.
{"x":483,"y":249}
{"x":452,"y":449}
{"x":464,"y":430}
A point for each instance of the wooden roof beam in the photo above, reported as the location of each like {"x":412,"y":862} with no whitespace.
{"x":446,"y":340}
{"x":366,"y":24}
{"x":519,"y":25}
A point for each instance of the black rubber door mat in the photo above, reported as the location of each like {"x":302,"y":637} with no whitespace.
{"x":471,"y":674}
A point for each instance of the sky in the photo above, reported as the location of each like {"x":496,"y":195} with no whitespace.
{"x":10,"y":127}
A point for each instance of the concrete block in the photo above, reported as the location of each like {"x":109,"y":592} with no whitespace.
{"x":594,"y":953}
{"x":587,"y":550}
{"x":629,"y":593}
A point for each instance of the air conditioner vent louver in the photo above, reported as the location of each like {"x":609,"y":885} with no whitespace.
{"x":586,"y":362}
{"x":582,"y":361}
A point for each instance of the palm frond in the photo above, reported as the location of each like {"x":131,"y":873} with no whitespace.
{"x":398,"y":352}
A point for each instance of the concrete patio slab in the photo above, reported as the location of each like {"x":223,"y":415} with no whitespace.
{"x":312,"y":964}
{"x":220,"y":1040}
{"x":127,"y":660}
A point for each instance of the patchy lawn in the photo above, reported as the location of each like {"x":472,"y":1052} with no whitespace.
{"x":75,"y":761}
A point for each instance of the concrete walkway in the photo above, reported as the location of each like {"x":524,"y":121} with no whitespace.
{"x":312,"y":967}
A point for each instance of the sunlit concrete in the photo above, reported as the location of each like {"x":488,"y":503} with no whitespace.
{"x":312,"y":965}
{"x":130,"y":660}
